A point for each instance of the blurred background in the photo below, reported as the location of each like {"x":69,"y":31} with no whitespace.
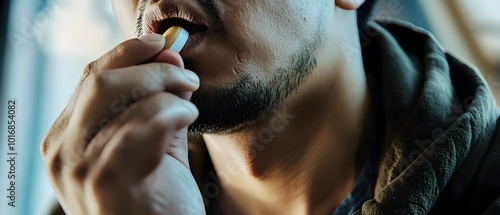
{"x":46,"y":44}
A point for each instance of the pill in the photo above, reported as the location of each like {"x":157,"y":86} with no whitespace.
{"x":176,"y":38}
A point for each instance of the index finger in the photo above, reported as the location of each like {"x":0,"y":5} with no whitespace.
{"x":130,"y":53}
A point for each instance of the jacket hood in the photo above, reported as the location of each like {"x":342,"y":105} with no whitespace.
{"x":440,"y":118}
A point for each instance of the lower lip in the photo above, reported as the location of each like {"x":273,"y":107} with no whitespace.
{"x":193,"y":41}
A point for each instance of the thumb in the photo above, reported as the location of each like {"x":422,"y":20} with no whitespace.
{"x":178,"y":148}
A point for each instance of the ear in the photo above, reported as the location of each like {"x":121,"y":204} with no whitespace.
{"x":349,"y":4}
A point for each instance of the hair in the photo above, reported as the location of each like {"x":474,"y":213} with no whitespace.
{"x":365,"y":12}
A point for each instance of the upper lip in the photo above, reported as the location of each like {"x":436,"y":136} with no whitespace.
{"x":169,"y":14}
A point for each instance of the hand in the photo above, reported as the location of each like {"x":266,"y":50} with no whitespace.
{"x":120,"y":146}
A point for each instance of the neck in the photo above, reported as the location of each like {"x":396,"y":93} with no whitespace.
{"x":304,"y":157}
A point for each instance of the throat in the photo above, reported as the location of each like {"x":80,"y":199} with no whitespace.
{"x":304,"y":159}
{"x":303,"y":170}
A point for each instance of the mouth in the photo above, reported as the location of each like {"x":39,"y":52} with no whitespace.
{"x":196,"y":31}
{"x":186,"y":15}
{"x":191,"y":27}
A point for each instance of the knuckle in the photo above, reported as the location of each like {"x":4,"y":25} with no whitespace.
{"x":91,"y":68}
{"x":63,"y":159}
{"x":154,"y":105}
{"x":168,"y":68}
{"x":161,"y":75}
{"x":101,"y":179}
{"x":131,"y":135}
{"x":149,"y":108}
{"x":53,"y":163}
{"x":55,"y":132}
{"x":160,"y":125}
{"x":98,"y":81}
{"x":79,"y":172}
{"x":165,"y":70}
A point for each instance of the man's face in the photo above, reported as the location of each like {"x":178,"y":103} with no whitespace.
{"x":250,"y":55}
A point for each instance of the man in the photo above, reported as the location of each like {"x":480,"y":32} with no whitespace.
{"x":297,"y":115}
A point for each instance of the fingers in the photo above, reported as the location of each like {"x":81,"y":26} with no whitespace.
{"x":169,"y":56}
{"x":137,"y":147}
{"x":144,"y":108}
{"x":130,"y":53}
{"x":108,"y":90}
{"x":142,"y":112}
{"x":110,"y":93}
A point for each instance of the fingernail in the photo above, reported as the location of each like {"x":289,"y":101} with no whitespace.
{"x":192,"y":76}
{"x":151,"y":38}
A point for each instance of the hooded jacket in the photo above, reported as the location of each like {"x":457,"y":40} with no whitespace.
{"x":439,"y":150}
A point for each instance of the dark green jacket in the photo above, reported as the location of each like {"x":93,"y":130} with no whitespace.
{"x":441,"y":150}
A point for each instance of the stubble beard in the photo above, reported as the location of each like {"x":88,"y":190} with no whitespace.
{"x":229,"y":109}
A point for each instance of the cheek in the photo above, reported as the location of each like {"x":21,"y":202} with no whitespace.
{"x":126,"y":15}
{"x":266,"y":33}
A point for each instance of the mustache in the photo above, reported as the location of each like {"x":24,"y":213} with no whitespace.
{"x":210,"y":7}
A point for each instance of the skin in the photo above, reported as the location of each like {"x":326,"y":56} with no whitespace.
{"x":108,"y":155}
